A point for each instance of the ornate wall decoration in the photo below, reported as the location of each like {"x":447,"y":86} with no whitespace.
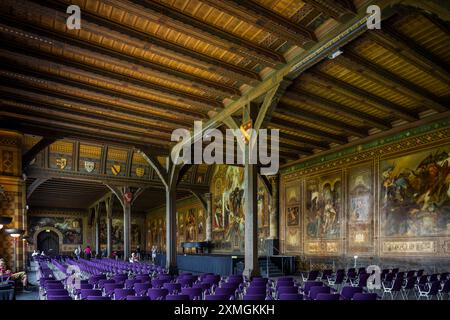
{"x":70,"y":227}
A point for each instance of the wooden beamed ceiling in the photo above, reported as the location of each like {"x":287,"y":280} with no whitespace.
{"x":136,"y":70}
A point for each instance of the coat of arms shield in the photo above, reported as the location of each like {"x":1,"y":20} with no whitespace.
{"x":115,"y":169}
{"x":89,"y":166}
{"x":140,"y":171}
{"x":61,"y":163}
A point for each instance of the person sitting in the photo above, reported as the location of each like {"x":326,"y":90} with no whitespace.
{"x":134,"y":258}
{"x":18,"y":276}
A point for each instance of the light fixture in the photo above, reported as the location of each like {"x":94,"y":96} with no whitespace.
{"x":4,"y":221}
{"x":335,"y":54}
{"x":47,"y":230}
{"x":14,"y":232}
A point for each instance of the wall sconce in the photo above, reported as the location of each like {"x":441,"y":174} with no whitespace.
{"x":4,"y":221}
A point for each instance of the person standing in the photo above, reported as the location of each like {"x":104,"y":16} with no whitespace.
{"x":87,"y":253}
{"x":153,"y":254}
{"x":138,"y":252}
{"x":78,"y":252}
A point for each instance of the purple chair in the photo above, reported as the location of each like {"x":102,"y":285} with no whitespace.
{"x":193,"y":293}
{"x":141,"y":288}
{"x":365,"y":296}
{"x":121,"y":294}
{"x":255,"y":297}
{"x":216,"y":297}
{"x":177,"y":297}
{"x":129,"y":283}
{"x":101,"y":283}
{"x":444,"y":290}
{"x":347,"y":293}
{"x":140,"y":298}
{"x":57,"y":292}
{"x":202,"y":285}
{"x":54,"y":286}
{"x":310,"y":276}
{"x":173,"y":288}
{"x":120,"y":277}
{"x":158,"y":283}
{"x":287,"y":290}
{"x":394,"y":289}
{"x":408,"y":287}
{"x":314,"y":291}
{"x":433,"y":290}
{"x":290,"y":296}
{"x":310,"y":284}
{"x":327,"y":296}
{"x":98,"y":298}
{"x":157,"y":293}
{"x":233,"y":285}
{"x":258,"y":290}
{"x":226,"y":291}
{"x":110,"y":287}
{"x":84,"y":293}
{"x":59,"y":297}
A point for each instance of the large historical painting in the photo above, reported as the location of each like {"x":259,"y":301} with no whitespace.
{"x":228,"y":208}
{"x":71,"y":228}
{"x":360,"y":212}
{"x":415,"y":194}
{"x":323,"y":206}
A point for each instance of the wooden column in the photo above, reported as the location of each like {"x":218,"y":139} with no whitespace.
{"x":274,"y":211}
{"x":126,"y":230}
{"x":171,"y":230}
{"x":251,"y":267}
{"x":97,"y":228}
{"x":209,"y":217}
{"x":109,"y":208}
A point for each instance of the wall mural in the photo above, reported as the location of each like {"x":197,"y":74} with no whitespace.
{"x":70,"y":227}
{"x":415,"y":194}
{"x":360,"y":209}
{"x":117,"y":232}
{"x":323,"y":206}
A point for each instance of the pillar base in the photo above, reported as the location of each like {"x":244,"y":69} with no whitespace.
{"x":173,"y":270}
{"x":250,"y":273}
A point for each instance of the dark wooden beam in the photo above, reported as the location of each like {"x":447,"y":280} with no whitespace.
{"x":296,"y":113}
{"x":257,"y":15}
{"x":362,"y":95}
{"x":31,"y":154}
{"x":43,"y":125}
{"x":133,"y":60}
{"x":102,"y":93}
{"x":334,"y":107}
{"x":377,"y":74}
{"x":292,"y":126}
{"x":46,"y":105}
{"x":198,"y":29}
{"x":62,"y":63}
{"x":26,"y":90}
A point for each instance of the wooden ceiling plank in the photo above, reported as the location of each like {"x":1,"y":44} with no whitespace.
{"x":315,"y":118}
{"x":411,"y":52}
{"x":292,"y":126}
{"x":362,"y":95}
{"x":331,"y":106}
{"x":196,"y":28}
{"x":383,"y":77}
{"x":336,"y":9}
{"x":257,"y":15}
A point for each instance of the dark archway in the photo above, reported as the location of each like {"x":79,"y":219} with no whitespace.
{"x":48,"y":241}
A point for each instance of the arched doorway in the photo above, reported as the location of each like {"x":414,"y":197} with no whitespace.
{"x":48,"y":241}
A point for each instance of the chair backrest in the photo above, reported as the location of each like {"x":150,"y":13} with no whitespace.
{"x":420,"y":272}
{"x":202,"y":285}
{"x":314,"y":291}
{"x":54,"y":286}
{"x":290,"y":296}
{"x":89,"y":292}
{"x":446,"y":287}
{"x":309,"y":284}
{"x":101,"y":283}
{"x":289,"y":290}
{"x":226,"y":291}
{"x":172,"y":287}
{"x":141,"y":288}
{"x":157,"y":293}
{"x":434,"y":288}
{"x":347,"y":292}
{"x":137,"y":298}
{"x":410,"y":283}
{"x":57,"y":292}
{"x":326,"y":273}
{"x":121,"y":294}
{"x":256,"y":290}
{"x":110,"y":287}
{"x":398,"y":282}
{"x":287,"y":283}
{"x":363,"y":277}
{"x":177,"y":297}
{"x":217,"y":297}
{"x":98,"y":298}
{"x":312,"y":275}
{"x":192,"y":292}
{"x":410,"y":273}
{"x":255,"y":297}
{"x":327,"y":296}
{"x":129,"y":283}
{"x":433,"y":277}
{"x":365,"y":296}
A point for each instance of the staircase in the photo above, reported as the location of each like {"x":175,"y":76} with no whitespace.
{"x":274,"y":271}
